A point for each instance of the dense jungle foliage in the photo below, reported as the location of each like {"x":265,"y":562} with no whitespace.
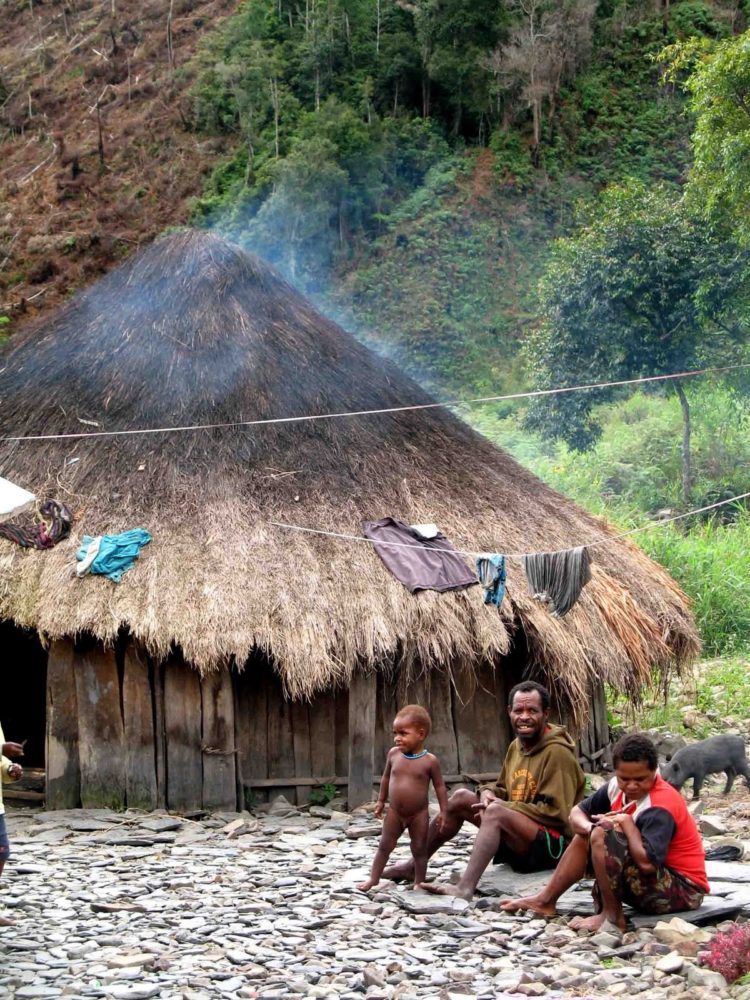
{"x":514,"y":193}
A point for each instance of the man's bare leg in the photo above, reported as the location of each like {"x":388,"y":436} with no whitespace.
{"x":460,"y":810}
{"x":498,"y":823}
{"x":611,"y":905}
{"x":570,"y":869}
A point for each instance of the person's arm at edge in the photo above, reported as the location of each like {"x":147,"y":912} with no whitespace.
{"x":440,"y":790}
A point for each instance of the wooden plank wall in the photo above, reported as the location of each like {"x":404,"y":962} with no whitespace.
{"x":124,"y":731}
{"x":593,"y":742}
{"x":101,"y":732}
{"x":62,"y":763}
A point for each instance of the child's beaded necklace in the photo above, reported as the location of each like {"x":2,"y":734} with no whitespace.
{"x":415,"y":756}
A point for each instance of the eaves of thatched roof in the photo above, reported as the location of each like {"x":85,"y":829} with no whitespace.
{"x":193,"y":330}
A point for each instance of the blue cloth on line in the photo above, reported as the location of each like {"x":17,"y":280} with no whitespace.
{"x":116,"y":554}
{"x":491,"y":573}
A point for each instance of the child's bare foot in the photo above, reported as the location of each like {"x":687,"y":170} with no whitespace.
{"x":532,"y":903}
{"x":446,"y":890}
{"x":403,"y":872}
{"x":7,"y":922}
{"x":366,"y":886}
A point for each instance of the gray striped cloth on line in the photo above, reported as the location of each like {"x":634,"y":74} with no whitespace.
{"x":558,"y":577}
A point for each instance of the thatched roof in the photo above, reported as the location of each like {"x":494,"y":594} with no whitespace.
{"x":194,"y":330}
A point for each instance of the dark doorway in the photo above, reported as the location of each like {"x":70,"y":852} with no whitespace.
{"x":23,"y":703}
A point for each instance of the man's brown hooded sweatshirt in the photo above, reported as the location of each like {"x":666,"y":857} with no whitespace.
{"x":545,"y":782}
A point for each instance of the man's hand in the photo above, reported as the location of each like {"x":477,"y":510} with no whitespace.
{"x":13,"y":749}
{"x":440,"y":821}
{"x":15,"y":771}
{"x":485,"y":797}
{"x":379,"y":807}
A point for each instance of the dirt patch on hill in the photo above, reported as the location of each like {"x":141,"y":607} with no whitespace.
{"x":96,"y":151}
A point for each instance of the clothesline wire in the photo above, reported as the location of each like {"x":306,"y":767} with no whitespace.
{"x":599,"y":543}
{"x":529,"y":394}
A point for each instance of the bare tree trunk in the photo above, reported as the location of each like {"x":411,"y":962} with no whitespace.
{"x":170,"y":39}
{"x":275,"y":103}
{"x":377,"y":29}
{"x":100,"y":132}
{"x":687,"y":475}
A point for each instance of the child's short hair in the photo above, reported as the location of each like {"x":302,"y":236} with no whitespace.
{"x":417,"y":714}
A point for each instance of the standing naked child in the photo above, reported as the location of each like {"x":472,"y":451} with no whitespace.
{"x":405,"y":785}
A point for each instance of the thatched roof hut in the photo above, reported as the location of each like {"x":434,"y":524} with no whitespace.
{"x":194,"y":331}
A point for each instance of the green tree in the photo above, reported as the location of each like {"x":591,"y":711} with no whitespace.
{"x":720,"y":87}
{"x":645,"y":288}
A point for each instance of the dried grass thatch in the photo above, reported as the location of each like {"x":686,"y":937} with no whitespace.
{"x":193,"y":330}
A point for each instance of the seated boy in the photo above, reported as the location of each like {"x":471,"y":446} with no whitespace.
{"x":405,"y":786}
{"x":644,"y":845}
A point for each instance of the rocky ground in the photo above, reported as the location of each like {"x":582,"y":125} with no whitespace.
{"x":137,"y":906}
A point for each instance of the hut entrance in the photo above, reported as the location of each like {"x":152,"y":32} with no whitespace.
{"x":24,"y":686}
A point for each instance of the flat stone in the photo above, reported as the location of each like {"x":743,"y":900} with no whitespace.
{"x":712,"y":826}
{"x":38,"y":992}
{"x":711,"y":909}
{"x":673,"y":962}
{"x":419,"y":901}
{"x":368,"y":830}
{"x":501,"y":880}
{"x":163,"y":824}
{"x":138,"y":991}
{"x":127,"y":961}
{"x":728,"y":871}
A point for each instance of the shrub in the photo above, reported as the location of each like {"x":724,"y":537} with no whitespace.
{"x":729,"y":953}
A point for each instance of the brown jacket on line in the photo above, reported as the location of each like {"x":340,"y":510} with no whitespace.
{"x":543,"y":783}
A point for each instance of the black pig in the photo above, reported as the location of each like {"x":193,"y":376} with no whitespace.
{"x":718,"y":753}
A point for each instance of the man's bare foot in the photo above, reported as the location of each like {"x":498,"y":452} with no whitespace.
{"x":532,"y":903}
{"x":403,"y":872}
{"x":7,"y":922}
{"x":594,"y":923}
{"x":439,"y":889}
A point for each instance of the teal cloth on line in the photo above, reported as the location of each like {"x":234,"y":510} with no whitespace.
{"x":117,"y":553}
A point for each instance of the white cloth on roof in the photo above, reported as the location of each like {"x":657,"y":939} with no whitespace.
{"x":13,"y":497}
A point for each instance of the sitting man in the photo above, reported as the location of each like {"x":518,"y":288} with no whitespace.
{"x":523,"y":817}
{"x":644,"y":845}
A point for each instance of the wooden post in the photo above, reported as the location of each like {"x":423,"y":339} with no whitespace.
{"x":251,"y":727}
{"x":323,"y":735}
{"x":63,"y":767}
{"x":160,"y":735}
{"x":219,"y":749}
{"x":280,"y":738}
{"x":301,"y":741}
{"x":138,"y":717}
{"x":101,"y":734}
{"x":182,"y":723}
{"x":362,"y":697}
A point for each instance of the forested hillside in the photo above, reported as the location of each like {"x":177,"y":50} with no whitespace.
{"x":414,"y":159}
